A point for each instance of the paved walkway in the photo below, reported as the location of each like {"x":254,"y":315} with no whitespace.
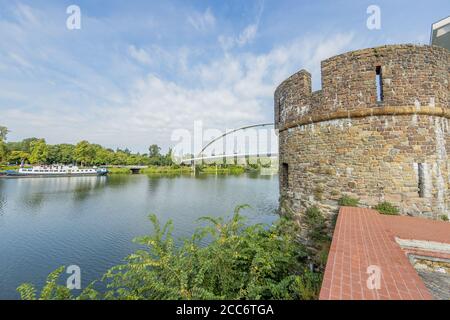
{"x":364,"y":243}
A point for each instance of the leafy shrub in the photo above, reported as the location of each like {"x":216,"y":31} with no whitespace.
{"x":443,"y":217}
{"x":347,"y":201}
{"x":320,"y":239}
{"x":316,"y":224}
{"x":387,"y":208}
{"x":240,"y":262}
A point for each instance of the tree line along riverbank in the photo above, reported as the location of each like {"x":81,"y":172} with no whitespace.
{"x":35,"y":151}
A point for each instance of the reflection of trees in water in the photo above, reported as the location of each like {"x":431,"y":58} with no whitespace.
{"x":35,"y":191}
{"x":86,"y":186}
{"x":2,"y":198}
{"x":119,"y":180}
{"x":2,"y":204}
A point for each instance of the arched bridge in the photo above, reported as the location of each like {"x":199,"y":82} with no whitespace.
{"x":200,"y":156}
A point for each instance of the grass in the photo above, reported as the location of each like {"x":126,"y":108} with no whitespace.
{"x":387,"y":208}
{"x":4,"y":168}
{"x":229,"y":169}
{"x":347,"y":201}
{"x":153,"y":170}
{"x":166,"y":170}
{"x":113,"y":170}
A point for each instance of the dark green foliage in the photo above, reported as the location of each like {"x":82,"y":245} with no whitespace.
{"x":347,"y":201}
{"x":387,"y":208}
{"x":318,"y":234}
{"x":316,"y":223}
{"x":240,"y":262}
{"x":51,"y":291}
{"x":35,"y":150}
{"x":443,"y":217}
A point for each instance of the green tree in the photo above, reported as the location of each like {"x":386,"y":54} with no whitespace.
{"x":66,"y":152}
{"x":167,"y":159}
{"x":84,"y":153}
{"x":3,"y":133}
{"x":26,"y":144}
{"x":39,"y":152}
{"x":3,"y":152}
{"x":154,"y":155}
{"x":154,"y":151}
{"x":3,"y":146}
{"x":17,"y":157}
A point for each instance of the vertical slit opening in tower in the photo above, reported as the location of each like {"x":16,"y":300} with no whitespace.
{"x":379,"y":83}
{"x":421,"y":179}
{"x":285,"y":175}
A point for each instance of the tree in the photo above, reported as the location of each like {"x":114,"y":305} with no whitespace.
{"x":39,"y":152}
{"x":3,"y":133}
{"x":3,"y":152}
{"x":154,"y":151}
{"x":84,"y":153}
{"x":154,"y":155}
{"x":26,"y":144}
{"x":167,"y":159}
{"x":17,"y":157}
{"x":66,"y":153}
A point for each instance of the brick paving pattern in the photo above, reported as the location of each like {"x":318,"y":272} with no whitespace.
{"x":364,"y":238}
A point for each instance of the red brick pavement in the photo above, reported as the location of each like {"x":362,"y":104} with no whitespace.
{"x":364,"y":238}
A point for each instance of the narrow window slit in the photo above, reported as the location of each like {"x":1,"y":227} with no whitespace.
{"x":379,"y":83}
{"x":285,"y":175}
{"x":421,"y":179}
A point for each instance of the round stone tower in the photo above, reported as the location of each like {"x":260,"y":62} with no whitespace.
{"x":379,"y":130}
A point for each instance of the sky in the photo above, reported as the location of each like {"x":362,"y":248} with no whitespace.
{"x":139,"y":70}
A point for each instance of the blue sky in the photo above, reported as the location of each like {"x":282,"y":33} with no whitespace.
{"x":138,"y":70}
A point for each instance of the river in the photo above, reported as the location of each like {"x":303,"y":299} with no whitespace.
{"x":91,"y":221}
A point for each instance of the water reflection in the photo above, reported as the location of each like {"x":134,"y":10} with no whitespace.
{"x":33,"y":192}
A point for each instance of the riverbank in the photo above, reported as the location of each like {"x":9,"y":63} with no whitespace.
{"x":207,"y":169}
{"x":5,"y":168}
{"x":184,"y":170}
{"x":153,"y":170}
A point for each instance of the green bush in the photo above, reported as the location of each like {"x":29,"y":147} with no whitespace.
{"x":240,"y":262}
{"x":387,"y":208}
{"x":316,"y":224}
{"x":443,"y":217}
{"x":346,"y":201}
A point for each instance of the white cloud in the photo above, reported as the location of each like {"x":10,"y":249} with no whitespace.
{"x":246,"y":36}
{"x":228,"y":92}
{"x":140,"y":55}
{"x":202,"y":21}
{"x":26,"y":14}
{"x":108,"y":100}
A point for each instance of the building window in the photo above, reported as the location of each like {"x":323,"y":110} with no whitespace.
{"x":379,"y":84}
{"x":285,"y":175}
{"x":421,"y":179}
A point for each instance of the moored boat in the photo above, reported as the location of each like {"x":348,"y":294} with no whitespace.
{"x":56,"y":171}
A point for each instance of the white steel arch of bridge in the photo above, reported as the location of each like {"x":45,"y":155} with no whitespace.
{"x":200,"y":157}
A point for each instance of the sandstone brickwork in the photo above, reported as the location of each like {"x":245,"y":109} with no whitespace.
{"x":389,"y":142}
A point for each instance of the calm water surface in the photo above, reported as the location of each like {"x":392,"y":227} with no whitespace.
{"x":91,"y":221}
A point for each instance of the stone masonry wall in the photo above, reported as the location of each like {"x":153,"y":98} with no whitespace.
{"x":341,"y":140}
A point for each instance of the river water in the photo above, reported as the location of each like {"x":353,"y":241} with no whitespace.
{"x":91,"y":221}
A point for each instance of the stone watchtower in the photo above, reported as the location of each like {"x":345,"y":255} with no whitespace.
{"x":379,"y":130}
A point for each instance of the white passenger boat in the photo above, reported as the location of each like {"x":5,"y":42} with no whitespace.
{"x":56,"y":170}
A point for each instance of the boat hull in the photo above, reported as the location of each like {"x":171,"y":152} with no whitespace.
{"x":52,"y":175}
